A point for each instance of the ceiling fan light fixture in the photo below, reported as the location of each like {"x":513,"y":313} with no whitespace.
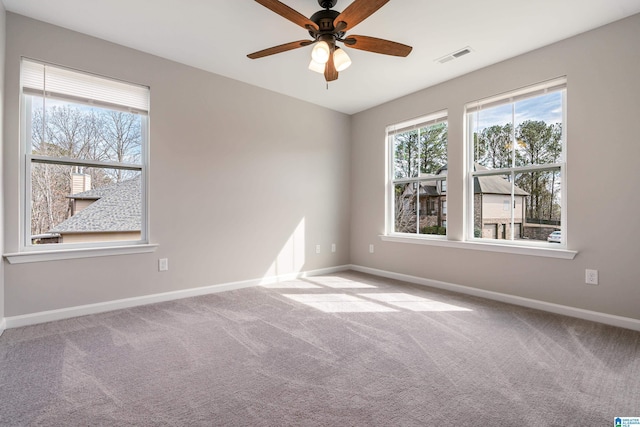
{"x":328,"y":26}
{"x":316,"y":66}
{"x":321,"y":52}
{"x":341,"y":59}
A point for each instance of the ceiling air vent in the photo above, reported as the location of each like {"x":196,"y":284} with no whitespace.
{"x":454,"y":55}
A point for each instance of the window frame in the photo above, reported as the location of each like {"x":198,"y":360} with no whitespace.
{"x":408,"y":125}
{"x":511,"y":97}
{"x":459,"y":238}
{"x":48,"y":252}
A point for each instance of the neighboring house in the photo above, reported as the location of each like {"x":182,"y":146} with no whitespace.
{"x":492,"y":207}
{"x":110,"y":213}
{"x":433,"y":203}
{"x":491,"y":200}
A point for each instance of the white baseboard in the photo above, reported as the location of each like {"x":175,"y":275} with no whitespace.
{"x":65,"y":313}
{"x":82,"y":310}
{"x":609,"y":319}
{"x":3,"y":325}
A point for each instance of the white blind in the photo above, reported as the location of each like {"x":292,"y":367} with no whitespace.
{"x":420,"y":122}
{"x":49,"y":80}
{"x":518,"y":95}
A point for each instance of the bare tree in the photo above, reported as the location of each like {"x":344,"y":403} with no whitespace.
{"x":121,"y":135}
{"x":77,"y":132}
{"x":405,"y":219}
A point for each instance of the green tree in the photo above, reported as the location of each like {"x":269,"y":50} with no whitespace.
{"x":433,"y":148}
{"x":539,"y":143}
{"x":420,"y":151}
{"x":493,"y":146}
{"x":406,"y":154}
{"x":416,"y":152}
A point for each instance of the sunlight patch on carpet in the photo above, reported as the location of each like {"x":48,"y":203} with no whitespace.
{"x":339,"y":303}
{"x":413,"y":303}
{"x":340,"y":283}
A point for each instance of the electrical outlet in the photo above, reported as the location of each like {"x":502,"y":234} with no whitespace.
{"x":317,"y":249}
{"x":333,"y":247}
{"x":163,"y":264}
{"x":371,"y":249}
{"x":591,"y":277}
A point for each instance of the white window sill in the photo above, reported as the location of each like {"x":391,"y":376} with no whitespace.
{"x":60,"y":254}
{"x":540,"y":249}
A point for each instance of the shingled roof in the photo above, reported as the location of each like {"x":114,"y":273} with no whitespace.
{"x":488,"y":184}
{"x":117,"y":208}
{"x":429,"y":189}
{"x":494,"y":184}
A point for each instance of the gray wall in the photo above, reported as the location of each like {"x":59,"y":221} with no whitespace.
{"x":602,"y":67}
{"x":2,"y":42}
{"x":235,"y":171}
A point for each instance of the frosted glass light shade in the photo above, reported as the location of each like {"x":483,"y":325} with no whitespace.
{"x":321,"y":52}
{"x":316,"y":66}
{"x":341,"y":60}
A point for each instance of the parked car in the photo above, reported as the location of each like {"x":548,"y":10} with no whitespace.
{"x":555,"y":237}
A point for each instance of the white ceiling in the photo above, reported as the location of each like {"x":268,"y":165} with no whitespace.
{"x":216,"y":35}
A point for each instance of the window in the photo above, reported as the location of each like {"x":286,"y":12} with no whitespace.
{"x":85,"y":147}
{"x":417,"y":174}
{"x":516,"y":164}
{"x":510,"y":176}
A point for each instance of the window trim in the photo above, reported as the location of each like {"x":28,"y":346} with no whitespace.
{"x":555,"y":85}
{"x":390,"y":182}
{"x":27,"y":252}
{"x":538,"y":248}
{"x":78,"y":252}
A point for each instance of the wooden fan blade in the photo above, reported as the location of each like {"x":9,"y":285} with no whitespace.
{"x":279,"y":49}
{"x":288,"y":13}
{"x":330,"y":72}
{"x":376,"y":45}
{"x":357,"y":12}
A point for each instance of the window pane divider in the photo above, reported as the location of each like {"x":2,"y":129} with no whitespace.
{"x":80,"y":162}
{"x":519,"y":169}
{"x":420,"y":179}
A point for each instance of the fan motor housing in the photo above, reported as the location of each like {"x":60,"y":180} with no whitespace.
{"x":324,"y":20}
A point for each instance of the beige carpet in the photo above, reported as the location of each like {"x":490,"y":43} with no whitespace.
{"x":341,"y":350}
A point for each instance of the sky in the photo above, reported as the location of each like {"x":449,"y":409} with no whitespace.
{"x":547,"y":108}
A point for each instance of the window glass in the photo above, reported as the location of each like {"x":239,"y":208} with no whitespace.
{"x":405,"y":208}
{"x":418,"y":167}
{"x":521,"y":135}
{"x":66,"y":129}
{"x":86,"y":160}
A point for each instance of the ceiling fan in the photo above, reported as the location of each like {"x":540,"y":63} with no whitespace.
{"x":327,"y":27}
